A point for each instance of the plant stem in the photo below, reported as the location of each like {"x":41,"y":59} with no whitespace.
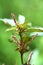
{"x":22,"y":58}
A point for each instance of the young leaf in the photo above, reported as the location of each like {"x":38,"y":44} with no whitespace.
{"x":35,"y":29}
{"x":13,"y":28}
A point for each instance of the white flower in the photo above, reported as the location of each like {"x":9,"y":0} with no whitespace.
{"x":9,"y":21}
{"x":21,"y":20}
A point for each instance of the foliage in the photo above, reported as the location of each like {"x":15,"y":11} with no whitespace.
{"x":33,"y":11}
{"x":24,"y":39}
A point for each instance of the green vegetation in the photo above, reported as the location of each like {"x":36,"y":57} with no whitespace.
{"x":33,"y":12}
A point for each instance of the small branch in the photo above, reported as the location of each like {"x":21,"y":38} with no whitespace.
{"x":29,"y":58}
{"x":15,"y":40}
{"x":31,"y":40}
{"x":12,"y":14}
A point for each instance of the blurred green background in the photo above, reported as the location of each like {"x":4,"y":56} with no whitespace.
{"x":33,"y":12}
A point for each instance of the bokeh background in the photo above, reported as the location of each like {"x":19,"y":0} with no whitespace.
{"x":33,"y":12}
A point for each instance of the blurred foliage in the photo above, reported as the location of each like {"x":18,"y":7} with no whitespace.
{"x":33,"y":11}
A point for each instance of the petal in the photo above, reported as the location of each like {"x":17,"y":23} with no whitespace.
{"x":39,"y":33}
{"x":35,"y":29}
{"x":9,"y":21}
{"x":21,"y":19}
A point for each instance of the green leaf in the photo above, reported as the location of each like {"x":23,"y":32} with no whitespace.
{"x":35,"y":29}
{"x":12,"y":28}
{"x":29,"y":24}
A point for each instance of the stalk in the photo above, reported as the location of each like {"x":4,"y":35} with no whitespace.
{"x":22,"y":58}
